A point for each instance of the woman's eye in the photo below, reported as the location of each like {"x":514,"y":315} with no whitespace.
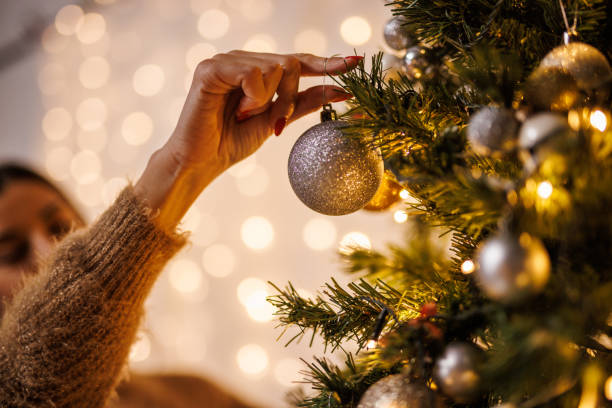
{"x":16,"y":254}
{"x":58,"y":229}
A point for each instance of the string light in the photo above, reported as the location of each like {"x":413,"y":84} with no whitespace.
{"x":468,"y":267}
{"x":94,"y":72}
{"x":148,"y":80}
{"x":404,"y":194}
{"x":185,"y":276}
{"x":545,"y":189}
{"x":255,"y":183}
{"x":94,"y":140}
{"x":91,"y":114}
{"x":598,"y":120}
{"x":400,"y":216}
{"x":92,"y":28}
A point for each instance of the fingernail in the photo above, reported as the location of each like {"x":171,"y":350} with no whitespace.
{"x":341,"y":98}
{"x":242,"y":116}
{"x":279,"y":126}
{"x":353,"y":59}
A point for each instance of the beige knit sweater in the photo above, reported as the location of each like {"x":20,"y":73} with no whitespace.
{"x":65,"y":337}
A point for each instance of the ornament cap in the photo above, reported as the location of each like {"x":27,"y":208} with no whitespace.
{"x":328,"y":113}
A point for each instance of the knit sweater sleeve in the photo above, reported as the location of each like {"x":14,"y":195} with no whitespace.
{"x":66,"y":335}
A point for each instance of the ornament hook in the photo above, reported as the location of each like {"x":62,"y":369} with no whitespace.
{"x":570,"y":31}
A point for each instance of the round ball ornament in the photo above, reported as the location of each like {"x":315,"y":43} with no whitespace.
{"x":551,"y":88}
{"x":539,"y":138}
{"x":585,"y":63}
{"x":396,"y":35}
{"x":331,"y":173}
{"x":511,"y":268}
{"x":457,"y":372}
{"x":386,"y":195}
{"x":396,"y":391}
{"x":492,"y":131}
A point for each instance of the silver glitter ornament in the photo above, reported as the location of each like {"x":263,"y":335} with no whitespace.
{"x":512,"y":268}
{"x":396,"y":391}
{"x":457,"y":372}
{"x":585,"y":63}
{"x":331,"y":173}
{"x":540,"y":127}
{"x":416,"y":63}
{"x":492,"y":131}
{"x":396,"y":35}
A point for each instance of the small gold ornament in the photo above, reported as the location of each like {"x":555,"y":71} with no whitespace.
{"x":551,"y":88}
{"x":386,"y":195}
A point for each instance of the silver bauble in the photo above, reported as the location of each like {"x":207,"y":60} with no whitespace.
{"x":512,"y":268}
{"x":585,"y":63}
{"x":540,"y":127}
{"x":416,"y":63}
{"x":331,"y":173}
{"x":396,"y":391}
{"x":551,"y":88}
{"x":392,"y":66}
{"x":396,"y":35}
{"x":457,"y":372}
{"x":492,"y":130}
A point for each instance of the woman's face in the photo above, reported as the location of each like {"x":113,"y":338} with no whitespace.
{"x":33,"y":217}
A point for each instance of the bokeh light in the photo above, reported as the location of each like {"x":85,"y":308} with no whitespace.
{"x":57,"y":123}
{"x":92,"y":28}
{"x":91,"y":114}
{"x":598,"y":120}
{"x":353,"y":241}
{"x":468,"y":267}
{"x":252,"y":359}
{"x":137,"y":128}
{"x":249,"y":286}
{"x":69,"y":19}
{"x":52,"y":41}
{"x":310,"y":41}
{"x":85,"y":167}
{"x":213,"y":24}
{"x":218,"y":260}
{"x":185,"y":276}
{"x":141,"y":348}
{"x":404,"y":194}
{"x":260,"y":43}
{"x":287,"y":371}
{"x":52,"y":79}
{"x":257,"y":233}
{"x":257,"y":306}
{"x":94,"y":72}
{"x":253,"y":184}
{"x":355,"y":30}
{"x":545,"y":189}
{"x":148,"y":80}
{"x":400,"y":216}
{"x":57,"y":163}
{"x":197,"y":53}
{"x":319,"y":234}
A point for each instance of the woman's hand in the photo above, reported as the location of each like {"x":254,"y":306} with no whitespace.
{"x":227,"y":116}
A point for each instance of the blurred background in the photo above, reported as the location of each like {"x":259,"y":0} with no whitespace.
{"x":91,"y":89}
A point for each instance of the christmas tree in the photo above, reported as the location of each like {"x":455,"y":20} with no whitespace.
{"x":496,"y":121}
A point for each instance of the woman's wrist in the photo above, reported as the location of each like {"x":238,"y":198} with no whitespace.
{"x":169,"y":188}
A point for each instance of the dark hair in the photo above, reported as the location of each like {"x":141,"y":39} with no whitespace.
{"x":11,"y":172}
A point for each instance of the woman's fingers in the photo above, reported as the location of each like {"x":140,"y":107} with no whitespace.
{"x":313,"y":65}
{"x":287,"y":91}
{"x":312,"y":99}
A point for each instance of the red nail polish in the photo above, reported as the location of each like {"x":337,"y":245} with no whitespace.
{"x":353,"y":59}
{"x":341,"y":98}
{"x":279,"y":126}
{"x":242,"y":116}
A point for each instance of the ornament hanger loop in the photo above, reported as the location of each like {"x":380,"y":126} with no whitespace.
{"x":570,"y":31}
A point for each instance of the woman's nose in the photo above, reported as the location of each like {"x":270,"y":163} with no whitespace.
{"x":42,"y":243}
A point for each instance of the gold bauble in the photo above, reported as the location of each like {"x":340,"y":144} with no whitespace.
{"x":551,"y":88}
{"x":585,"y":63}
{"x":386,"y":195}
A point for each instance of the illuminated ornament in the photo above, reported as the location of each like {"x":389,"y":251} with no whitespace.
{"x":585,"y":63}
{"x":538,"y":137}
{"x":511,"y":268}
{"x":386,"y":195}
{"x":396,"y":391}
{"x":416,"y":63}
{"x":492,"y":131}
{"x":551,"y":88}
{"x":331,"y":173}
{"x":457,"y":372}
{"x":396,"y":34}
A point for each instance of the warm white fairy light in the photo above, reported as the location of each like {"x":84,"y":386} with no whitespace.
{"x":249,"y":286}
{"x":354,"y":240}
{"x":52,"y":41}
{"x":371,"y":344}
{"x":252,"y":359}
{"x":258,"y":307}
{"x":244,"y":167}
{"x":468,"y":267}
{"x":94,"y":140}
{"x":319,"y":234}
{"x":404,"y":194}
{"x":355,"y":30}
{"x":598,"y":120}
{"x":256,"y":10}
{"x":148,"y":80}
{"x":69,"y":19}
{"x":545,"y":189}
{"x":92,"y":28}
{"x":213,"y":24}
{"x":52,"y":79}
{"x":257,"y":233}
{"x":400,"y":216}
{"x":207,"y":231}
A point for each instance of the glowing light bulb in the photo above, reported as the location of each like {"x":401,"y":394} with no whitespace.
{"x":258,"y":307}
{"x":468,"y":267}
{"x":257,"y":233}
{"x":92,"y":28}
{"x":371,"y":344}
{"x":573,"y":119}
{"x":404,"y":194}
{"x":249,"y":286}
{"x":598,"y":120}
{"x":354,"y":241}
{"x":355,"y":30}
{"x":197,"y":53}
{"x":400,"y":216}
{"x":545,"y":189}
{"x":252,"y":359}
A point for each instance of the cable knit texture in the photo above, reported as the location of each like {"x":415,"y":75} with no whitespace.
{"x":65,"y":337}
